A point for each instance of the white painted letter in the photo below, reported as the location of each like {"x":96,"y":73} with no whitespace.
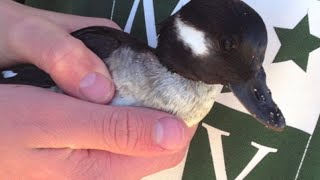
{"x":131,"y":17}
{"x":150,"y":22}
{"x":262,"y":152}
{"x":215,"y":139}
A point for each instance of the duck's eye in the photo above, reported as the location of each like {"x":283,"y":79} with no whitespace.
{"x":228,"y":44}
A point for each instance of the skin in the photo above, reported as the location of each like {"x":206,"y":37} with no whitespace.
{"x":45,"y":135}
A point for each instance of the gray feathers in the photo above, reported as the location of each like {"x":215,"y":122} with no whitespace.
{"x":142,"y":81}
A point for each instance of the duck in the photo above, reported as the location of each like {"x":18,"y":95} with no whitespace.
{"x":206,"y":44}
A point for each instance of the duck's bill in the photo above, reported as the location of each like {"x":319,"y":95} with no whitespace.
{"x":256,"y":97}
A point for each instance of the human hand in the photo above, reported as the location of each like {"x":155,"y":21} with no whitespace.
{"x":45,"y":135}
{"x":65,"y":138}
{"x":42,"y":38}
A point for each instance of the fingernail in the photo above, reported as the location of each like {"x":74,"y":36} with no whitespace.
{"x":169,"y":134}
{"x":97,"y":88}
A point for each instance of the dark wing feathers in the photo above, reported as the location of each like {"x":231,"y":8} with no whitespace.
{"x":102,"y":41}
{"x":27,"y":74}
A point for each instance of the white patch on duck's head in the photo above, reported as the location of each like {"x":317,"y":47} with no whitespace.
{"x":8,"y":74}
{"x":192,"y":38}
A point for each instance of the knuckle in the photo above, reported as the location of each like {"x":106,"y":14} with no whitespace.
{"x":60,"y":52}
{"x":52,"y":50}
{"x":18,"y":31}
{"x":122,"y":128}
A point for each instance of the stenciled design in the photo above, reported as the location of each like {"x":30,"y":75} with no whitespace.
{"x":296,"y":44}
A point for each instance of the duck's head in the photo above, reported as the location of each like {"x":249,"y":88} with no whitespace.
{"x":222,"y":42}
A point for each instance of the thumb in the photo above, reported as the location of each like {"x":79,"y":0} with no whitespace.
{"x":77,"y":70}
{"x":60,"y":121}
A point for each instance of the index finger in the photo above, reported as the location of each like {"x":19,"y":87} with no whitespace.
{"x":66,"y":59}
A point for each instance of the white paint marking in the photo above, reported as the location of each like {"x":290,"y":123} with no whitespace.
{"x":217,"y":154}
{"x":192,"y":38}
{"x":8,"y":74}
{"x":302,"y":160}
{"x":262,"y":153}
{"x":112,"y":10}
{"x":148,"y":9}
{"x":131,"y":17}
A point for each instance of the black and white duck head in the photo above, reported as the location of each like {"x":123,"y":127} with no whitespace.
{"x":226,"y":42}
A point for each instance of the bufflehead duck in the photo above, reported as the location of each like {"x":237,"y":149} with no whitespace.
{"x":207,"y":42}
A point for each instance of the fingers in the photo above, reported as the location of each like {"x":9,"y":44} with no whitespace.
{"x":65,"y":122}
{"x":126,"y":167}
{"x":77,"y":70}
{"x":94,"y":164}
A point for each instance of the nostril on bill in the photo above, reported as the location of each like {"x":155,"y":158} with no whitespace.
{"x":256,"y":94}
{"x":259,"y":97}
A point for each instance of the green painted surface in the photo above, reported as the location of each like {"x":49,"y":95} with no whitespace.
{"x":54,"y":5}
{"x":311,"y":166}
{"x":121,"y":11}
{"x":238,"y":150}
{"x":96,"y":8}
{"x":297,"y":44}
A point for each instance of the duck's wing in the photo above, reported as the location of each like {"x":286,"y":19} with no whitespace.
{"x":105,"y":40}
{"x":101,"y":40}
{"x":26,"y":74}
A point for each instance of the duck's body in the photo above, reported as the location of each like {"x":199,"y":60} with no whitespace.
{"x":141,"y":79}
{"x":147,"y":83}
{"x":206,"y":43}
